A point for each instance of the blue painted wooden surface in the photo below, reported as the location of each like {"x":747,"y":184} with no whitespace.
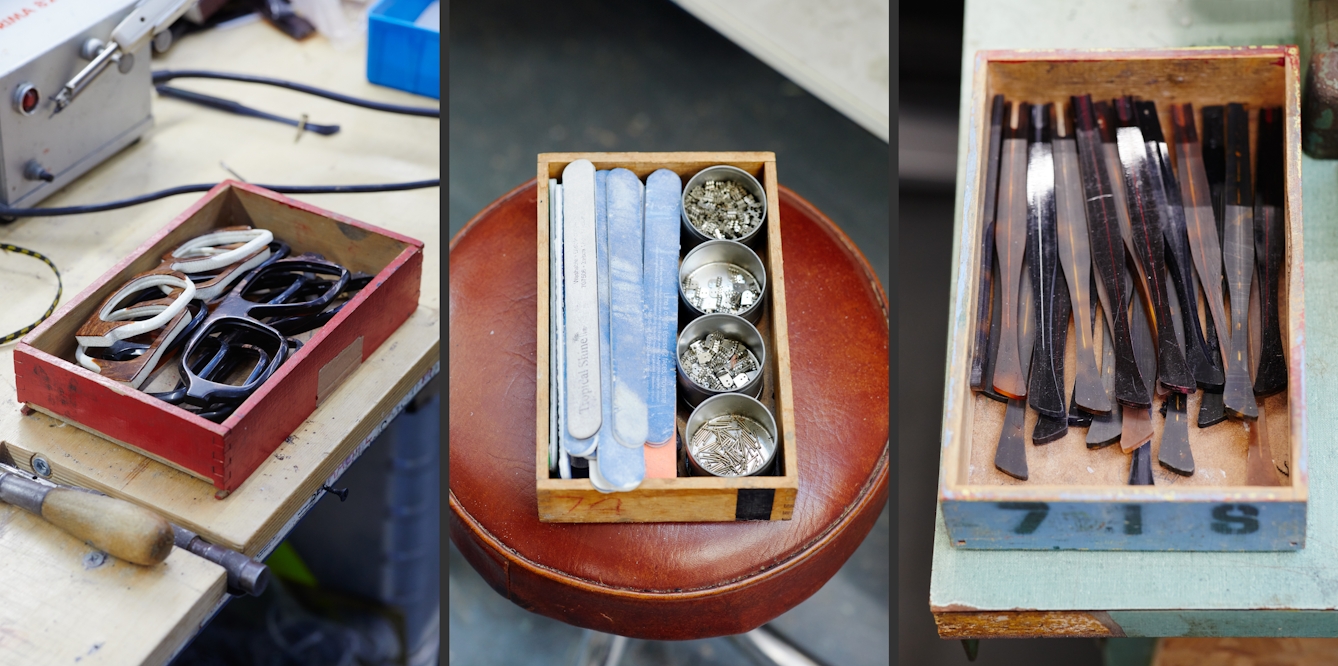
{"x":1187,"y":590}
{"x":1198,"y":526}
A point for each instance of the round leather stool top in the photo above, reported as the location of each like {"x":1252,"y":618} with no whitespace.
{"x":665,"y":581}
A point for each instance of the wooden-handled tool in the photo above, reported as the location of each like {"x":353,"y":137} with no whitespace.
{"x":129,"y":532}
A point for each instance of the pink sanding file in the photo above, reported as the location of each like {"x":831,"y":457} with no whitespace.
{"x":662,"y":460}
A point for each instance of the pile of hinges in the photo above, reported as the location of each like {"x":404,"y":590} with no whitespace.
{"x":231,"y":306}
{"x":730,"y":445}
{"x":1088,"y":212}
{"x":719,"y":363}
{"x":732,"y":293}
{"x":722,"y":209}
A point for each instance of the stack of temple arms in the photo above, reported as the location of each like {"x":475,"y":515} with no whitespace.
{"x":1087,"y":209}
{"x":614,"y":301}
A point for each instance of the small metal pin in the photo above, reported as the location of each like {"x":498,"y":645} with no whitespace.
{"x":729,"y":446}
{"x":301,"y":127}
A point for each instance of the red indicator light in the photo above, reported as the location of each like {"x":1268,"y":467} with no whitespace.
{"x":29,"y":101}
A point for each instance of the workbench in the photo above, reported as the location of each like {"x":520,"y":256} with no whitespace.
{"x":983,"y":593}
{"x":52,"y":608}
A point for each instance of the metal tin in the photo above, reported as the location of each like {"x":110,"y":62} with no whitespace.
{"x":692,"y":236}
{"x":725,"y":252}
{"x":731,"y":326}
{"x":726,"y":404}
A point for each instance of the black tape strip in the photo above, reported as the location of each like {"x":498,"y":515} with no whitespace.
{"x":754,"y":504}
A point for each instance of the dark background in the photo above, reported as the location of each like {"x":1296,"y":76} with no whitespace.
{"x":532,"y":77}
{"x":930,"y":61}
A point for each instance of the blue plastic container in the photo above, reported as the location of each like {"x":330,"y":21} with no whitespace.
{"x":400,"y":54}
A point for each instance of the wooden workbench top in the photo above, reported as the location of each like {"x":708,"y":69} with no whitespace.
{"x":53,"y":609}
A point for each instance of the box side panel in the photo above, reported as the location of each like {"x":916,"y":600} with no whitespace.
{"x":125,"y":414}
{"x":541,"y":345}
{"x":779,"y":325}
{"x":1292,"y":308}
{"x":587,"y":505}
{"x":1198,"y":526}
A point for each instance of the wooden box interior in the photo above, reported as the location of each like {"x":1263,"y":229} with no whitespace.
{"x":304,"y":231}
{"x":1264,"y":77}
{"x":682,"y":498}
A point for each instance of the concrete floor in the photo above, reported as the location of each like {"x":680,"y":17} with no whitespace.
{"x":527,"y":78}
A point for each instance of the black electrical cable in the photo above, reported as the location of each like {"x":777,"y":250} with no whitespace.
{"x":60,"y":288}
{"x":165,"y":75}
{"x":6,"y":211}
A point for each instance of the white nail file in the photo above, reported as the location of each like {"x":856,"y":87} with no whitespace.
{"x":567,"y":443}
{"x":573,"y":446}
{"x":582,"y":301}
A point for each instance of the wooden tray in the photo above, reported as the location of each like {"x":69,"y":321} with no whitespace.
{"x":682,"y":499}
{"x":48,"y":379}
{"x":1077,"y":498}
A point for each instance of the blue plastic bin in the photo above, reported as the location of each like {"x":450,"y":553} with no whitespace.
{"x":400,"y":54}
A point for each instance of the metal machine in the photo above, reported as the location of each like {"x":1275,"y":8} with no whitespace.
{"x":74,"y":85}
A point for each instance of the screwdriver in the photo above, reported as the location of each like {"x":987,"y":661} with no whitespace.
{"x":114,"y":526}
{"x":123,"y":529}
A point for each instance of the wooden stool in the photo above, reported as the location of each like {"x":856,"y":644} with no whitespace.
{"x":664,"y":581}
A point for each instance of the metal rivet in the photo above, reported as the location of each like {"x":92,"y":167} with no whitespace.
{"x":41,"y":466}
{"x":94,"y":559}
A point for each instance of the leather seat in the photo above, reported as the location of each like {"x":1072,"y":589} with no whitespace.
{"x":665,"y":581}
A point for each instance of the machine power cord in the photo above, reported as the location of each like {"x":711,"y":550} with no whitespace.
{"x":6,"y":247}
{"x":164,"y":75}
{"x":6,"y":211}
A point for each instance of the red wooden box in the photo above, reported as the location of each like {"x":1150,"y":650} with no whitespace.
{"x":225,"y":454}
